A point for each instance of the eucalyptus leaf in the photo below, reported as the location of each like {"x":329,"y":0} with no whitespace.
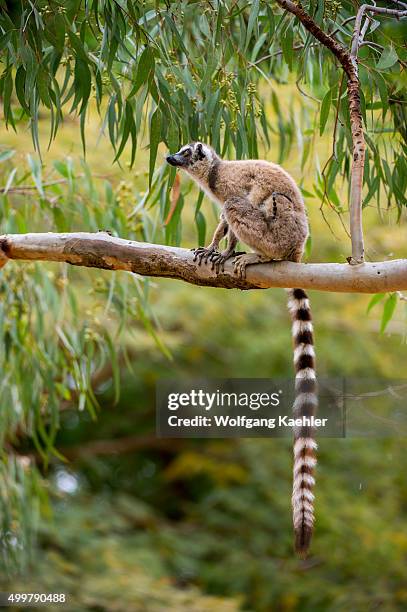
{"x":388,"y":311}
{"x":324,"y":113}
{"x":155,"y":137}
{"x":387,"y":59}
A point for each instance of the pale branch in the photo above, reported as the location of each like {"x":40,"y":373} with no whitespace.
{"x":349,"y":65}
{"x":337,"y":30}
{"x":369,"y":43}
{"x":280,"y":52}
{"x":403,"y":4}
{"x":359,"y":33}
{"x":100,"y":250}
{"x":358,"y":138}
{"x":348,"y":61}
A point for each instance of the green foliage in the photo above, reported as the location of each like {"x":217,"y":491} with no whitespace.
{"x":388,"y":310}
{"x":390,"y":305}
{"x":325,"y":108}
{"x":175,"y":516}
{"x":197,"y":70}
{"x":51,"y":336}
{"x":20,"y":496}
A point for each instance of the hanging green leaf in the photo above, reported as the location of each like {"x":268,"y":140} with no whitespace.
{"x":19,"y":82}
{"x":7,"y":154}
{"x":144,"y":68}
{"x":254,"y":12}
{"x":155,"y":137}
{"x":200,"y":223}
{"x":387,"y":59}
{"x":378,"y":297}
{"x":325,"y":108}
{"x":388,"y":311}
{"x":36,"y":172}
{"x":287,"y":43}
{"x":382,"y":87}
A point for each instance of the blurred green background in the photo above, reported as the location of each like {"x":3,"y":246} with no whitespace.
{"x":139,"y":523}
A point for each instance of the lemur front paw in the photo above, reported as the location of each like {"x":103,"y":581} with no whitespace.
{"x":202,"y":254}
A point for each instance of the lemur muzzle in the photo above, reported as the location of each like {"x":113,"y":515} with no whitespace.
{"x":171,"y":160}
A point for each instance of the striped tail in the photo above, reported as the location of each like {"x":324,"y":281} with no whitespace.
{"x":305,"y":404}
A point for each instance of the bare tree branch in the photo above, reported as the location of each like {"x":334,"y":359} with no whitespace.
{"x":348,"y":20}
{"x":349,"y":64}
{"x":100,"y":250}
{"x":403,"y":4}
{"x":348,"y":61}
{"x":359,"y":33}
{"x":368,"y":43}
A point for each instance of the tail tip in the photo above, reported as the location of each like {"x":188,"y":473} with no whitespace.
{"x":302,"y":542}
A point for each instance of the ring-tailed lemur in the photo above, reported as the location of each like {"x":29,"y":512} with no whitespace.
{"x":263,"y":207}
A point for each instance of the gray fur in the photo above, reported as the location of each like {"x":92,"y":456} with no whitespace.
{"x":261,"y":203}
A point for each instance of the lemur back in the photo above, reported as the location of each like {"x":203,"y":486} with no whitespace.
{"x":263,"y":207}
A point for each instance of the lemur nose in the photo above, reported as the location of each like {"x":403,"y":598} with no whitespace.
{"x":170,"y":159}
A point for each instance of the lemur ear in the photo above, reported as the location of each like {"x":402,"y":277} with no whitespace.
{"x":199,"y":151}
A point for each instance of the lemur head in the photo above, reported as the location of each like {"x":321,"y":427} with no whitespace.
{"x":195,"y":158}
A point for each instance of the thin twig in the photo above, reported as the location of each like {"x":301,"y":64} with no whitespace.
{"x":24,"y":188}
{"x":369,"y":43}
{"x":29,"y":188}
{"x":349,"y":65}
{"x":325,"y":195}
{"x":280,"y":52}
{"x":304,"y":93}
{"x":348,"y":20}
{"x":359,"y":33}
{"x":403,"y":4}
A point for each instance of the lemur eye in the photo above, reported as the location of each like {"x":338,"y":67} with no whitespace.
{"x":186,"y":153}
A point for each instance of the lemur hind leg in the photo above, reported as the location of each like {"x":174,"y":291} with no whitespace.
{"x":242,"y":261}
{"x":204,"y":253}
{"x":251,"y":224}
